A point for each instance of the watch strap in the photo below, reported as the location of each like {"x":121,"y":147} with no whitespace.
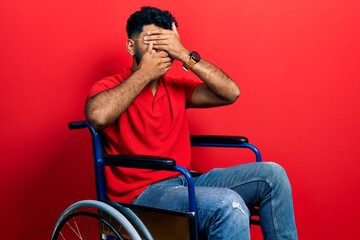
{"x":189,"y":64}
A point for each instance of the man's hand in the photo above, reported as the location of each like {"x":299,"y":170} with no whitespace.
{"x":169,"y":41}
{"x":154,"y":63}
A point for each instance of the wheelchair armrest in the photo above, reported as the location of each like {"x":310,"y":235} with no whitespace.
{"x":140,"y":161}
{"x":78,"y":125}
{"x":156,"y":163}
{"x":226,"y":142}
{"x":199,"y":140}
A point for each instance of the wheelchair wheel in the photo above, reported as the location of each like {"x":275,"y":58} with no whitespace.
{"x":90,"y":219}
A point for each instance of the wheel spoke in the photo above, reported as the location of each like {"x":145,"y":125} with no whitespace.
{"x":76,"y":232}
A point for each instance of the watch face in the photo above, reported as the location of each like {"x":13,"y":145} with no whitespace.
{"x":194,"y":55}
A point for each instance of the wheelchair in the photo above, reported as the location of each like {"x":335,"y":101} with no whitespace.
{"x":106,"y":220}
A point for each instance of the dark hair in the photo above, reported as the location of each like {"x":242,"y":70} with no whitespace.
{"x":146,"y":16}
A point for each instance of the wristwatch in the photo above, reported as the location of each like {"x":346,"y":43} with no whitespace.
{"x":194,"y":58}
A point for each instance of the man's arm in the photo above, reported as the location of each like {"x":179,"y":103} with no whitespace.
{"x":218,"y":88}
{"x":106,"y":107}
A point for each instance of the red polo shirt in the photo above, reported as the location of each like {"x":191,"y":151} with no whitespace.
{"x":152,"y":125}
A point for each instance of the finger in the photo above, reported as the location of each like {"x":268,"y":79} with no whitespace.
{"x":167,"y":60}
{"x":163,"y":53}
{"x":167,"y":65}
{"x":150,"y":47}
{"x":156,"y":37}
{"x":173,"y":27}
{"x":160,"y":47}
{"x":155,"y":42}
{"x":163,"y":57}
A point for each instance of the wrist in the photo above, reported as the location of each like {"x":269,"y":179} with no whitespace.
{"x":143,"y":76}
{"x":184,"y":56}
{"x":193,"y":58}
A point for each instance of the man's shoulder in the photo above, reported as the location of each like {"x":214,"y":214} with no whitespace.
{"x":110,"y":81}
{"x":119,"y":77}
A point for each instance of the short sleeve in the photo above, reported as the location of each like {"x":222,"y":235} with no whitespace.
{"x":190,"y":86}
{"x":109,"y":82}
{"x":102,"y":85}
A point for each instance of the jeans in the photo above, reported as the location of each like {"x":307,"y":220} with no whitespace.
{"x":223,"y":197}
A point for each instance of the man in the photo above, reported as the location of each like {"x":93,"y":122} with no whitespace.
{"x":142,"y":111}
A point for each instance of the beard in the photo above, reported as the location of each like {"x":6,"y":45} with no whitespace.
{"x":137,"y":56}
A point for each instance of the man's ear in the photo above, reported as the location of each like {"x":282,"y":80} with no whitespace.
{"x":130,"y":46}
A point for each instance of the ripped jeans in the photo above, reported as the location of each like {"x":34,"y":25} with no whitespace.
{"x":223,"y":197}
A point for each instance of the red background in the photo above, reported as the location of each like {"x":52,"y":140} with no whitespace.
{"x":296,"y":61}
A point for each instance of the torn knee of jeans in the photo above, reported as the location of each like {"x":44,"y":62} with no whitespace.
{"x":237,"y":205}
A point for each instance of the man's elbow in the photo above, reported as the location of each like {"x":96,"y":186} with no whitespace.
{"x":96,"y":119}
{"x":235,"y":94}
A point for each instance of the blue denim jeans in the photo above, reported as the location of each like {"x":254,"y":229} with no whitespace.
{"x":223,"y":197}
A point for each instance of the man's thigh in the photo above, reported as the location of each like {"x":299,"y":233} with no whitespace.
{"x":251,"y":181}
{"x":208,"y":199}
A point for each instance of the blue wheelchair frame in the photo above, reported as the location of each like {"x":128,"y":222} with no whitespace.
{"x":158,"y":163}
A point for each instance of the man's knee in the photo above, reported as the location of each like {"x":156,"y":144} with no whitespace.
{"x":228,"y":203}
{"x":277,"y":175}
{"x":227,"y":216}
